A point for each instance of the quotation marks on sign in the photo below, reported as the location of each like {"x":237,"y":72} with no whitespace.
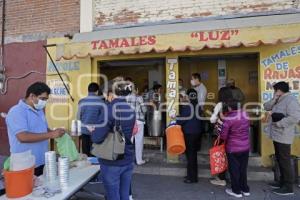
{"x":215,"y":35}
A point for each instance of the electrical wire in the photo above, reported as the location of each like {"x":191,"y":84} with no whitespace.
{"x":4,"y":89}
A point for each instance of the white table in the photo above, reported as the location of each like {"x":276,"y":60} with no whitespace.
{"x":79,"y":177}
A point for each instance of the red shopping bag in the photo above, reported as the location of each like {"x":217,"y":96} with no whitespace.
{"x":218,"y":159}
{"x":135,"y":129}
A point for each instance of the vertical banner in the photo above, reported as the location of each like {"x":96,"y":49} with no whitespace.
{"x":172,"y":89}
{"x":172,"y":96}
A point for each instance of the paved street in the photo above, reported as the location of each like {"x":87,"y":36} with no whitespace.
{"x":150,"y":187}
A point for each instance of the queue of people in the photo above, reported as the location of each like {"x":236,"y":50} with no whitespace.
{"x":122,"y":105}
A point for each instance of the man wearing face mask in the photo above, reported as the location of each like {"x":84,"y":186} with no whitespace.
{"x":285,"y":110}
{"x":27,"y":125}
{"x":199,"y":87}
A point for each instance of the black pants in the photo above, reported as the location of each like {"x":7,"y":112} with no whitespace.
{"x":38,"y":171}
{"x":283,"y":156}
{"x":238,"y":163}
{"x":86,"y":144}
{"x":192,"y":145}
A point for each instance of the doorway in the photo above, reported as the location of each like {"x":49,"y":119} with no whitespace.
{"x":144,"y":72}
{"x":214,"y":71}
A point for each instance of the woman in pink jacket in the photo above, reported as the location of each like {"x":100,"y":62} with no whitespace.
{"x":235,"y":134}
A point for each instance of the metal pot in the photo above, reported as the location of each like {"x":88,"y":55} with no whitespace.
{"x":154,"y":123}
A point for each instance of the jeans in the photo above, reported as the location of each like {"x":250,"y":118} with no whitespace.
{"x":117,"y":181}
{"x":283,"y":156}
{"x":238,"y":163}
{"x":192,"y":144}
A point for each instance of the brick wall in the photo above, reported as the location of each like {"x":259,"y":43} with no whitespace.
{"x":20,"y":58}
{"x":33,"y":18}
{"x":112,"y":12}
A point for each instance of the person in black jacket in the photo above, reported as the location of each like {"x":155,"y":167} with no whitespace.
{"x":189,"y":119}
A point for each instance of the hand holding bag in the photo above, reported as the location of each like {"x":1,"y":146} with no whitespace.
{"x":218,"y":158}
{"x":113,"y":147}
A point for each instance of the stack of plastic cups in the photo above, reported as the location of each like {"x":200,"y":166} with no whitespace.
{"x":51,"y":167}
{"x":63,"y":171}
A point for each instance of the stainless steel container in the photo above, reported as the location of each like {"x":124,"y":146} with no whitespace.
{"x":155,"y":123}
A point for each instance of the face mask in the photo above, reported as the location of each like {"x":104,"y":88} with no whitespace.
{"x":40,"y":105}
{"x":179,"y":87}
{"x":193,"y":82}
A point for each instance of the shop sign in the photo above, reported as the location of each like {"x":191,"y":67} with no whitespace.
{"x":59,"y":93}
{"x":204,"y":36}
{"x":64,"y":66}
{"x":278,"y":67}
{"x":124,"y":42}
{"x":171,"y":88}
{"x":278,"y":56}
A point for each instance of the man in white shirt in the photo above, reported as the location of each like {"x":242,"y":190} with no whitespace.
{"x":199,"y":87}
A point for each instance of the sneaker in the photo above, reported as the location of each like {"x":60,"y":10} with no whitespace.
{"x":283,"y":191}
{"x":275,"y":185}
{"x":217,"y":181}
{"x":130,"y":197}
{"x":229,"y":192}
{"x":142,"y":162}
{"x":246,"y":194}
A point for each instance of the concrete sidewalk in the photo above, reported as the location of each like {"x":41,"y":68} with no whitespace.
{"x":158,"y":165}
{"x":153,"y":187}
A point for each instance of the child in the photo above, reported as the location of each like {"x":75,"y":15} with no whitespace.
{"x":235,"y":133}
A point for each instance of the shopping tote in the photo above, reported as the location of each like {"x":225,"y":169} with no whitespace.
{"x":218,"y":159}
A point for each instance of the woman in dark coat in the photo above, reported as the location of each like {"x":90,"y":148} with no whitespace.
{"x":191,"y":124}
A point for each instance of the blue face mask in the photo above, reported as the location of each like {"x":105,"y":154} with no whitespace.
{"x":40,"y":105}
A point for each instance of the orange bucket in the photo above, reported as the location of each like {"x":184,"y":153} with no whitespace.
{"x":175,"y":140}
{"x":18,"y":183}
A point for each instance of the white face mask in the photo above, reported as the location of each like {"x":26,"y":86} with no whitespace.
{"x":193,"y":82}
{"x":40,"y":105}
{"x":179,"y":87}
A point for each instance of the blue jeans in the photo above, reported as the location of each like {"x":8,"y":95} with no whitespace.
{"x":117,"y":181}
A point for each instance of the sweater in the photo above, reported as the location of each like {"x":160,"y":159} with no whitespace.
{"x":89,"y":110}
{"x":235,"y":131}
{"x":283,"y":131}
{"x":189,"y":120}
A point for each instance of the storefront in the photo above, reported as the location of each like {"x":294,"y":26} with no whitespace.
{"x":255,"y":57}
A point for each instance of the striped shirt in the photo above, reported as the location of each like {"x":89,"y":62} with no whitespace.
{"x":137,"y":104}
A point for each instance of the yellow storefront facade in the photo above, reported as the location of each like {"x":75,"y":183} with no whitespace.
{"x":270,"y":54}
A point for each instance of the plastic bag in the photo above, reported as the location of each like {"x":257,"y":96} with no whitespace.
{"x":21,"y":161}
{"x":66,"y":147}
{"x":6,"y":164}
{"x":218,"y":159}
